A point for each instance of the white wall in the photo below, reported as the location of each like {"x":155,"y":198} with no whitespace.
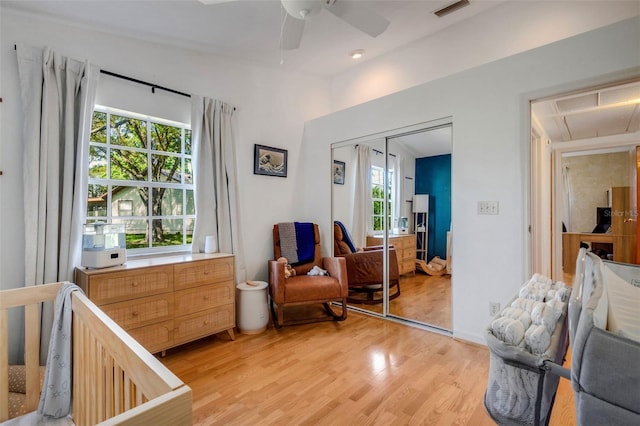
{"x":490,"y":112}
{"x":272,"y":107}
{"x":508,"y":29}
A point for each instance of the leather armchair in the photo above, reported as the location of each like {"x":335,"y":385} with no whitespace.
{"x":303,"y":289}
{"x":365,"y":268}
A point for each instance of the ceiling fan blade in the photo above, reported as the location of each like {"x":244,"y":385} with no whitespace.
{"x":363,"y":19}
{"x":291,"y":34}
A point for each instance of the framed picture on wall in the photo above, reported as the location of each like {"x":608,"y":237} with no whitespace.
{"x":338,"y":172}
{"x":269,"y":161}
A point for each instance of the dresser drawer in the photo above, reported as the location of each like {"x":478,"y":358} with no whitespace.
{"x":138,"y":312}
{"x":117,"y":286}
{"x":194,"y":274}
{"x":399,"y":243}
{"x":155,"y":337}
{"x":409,"y":255}
{"x":190,"y":327}
{"x":406,"y":242}
{"x":204,"y":297}
{"x":407,"y":266}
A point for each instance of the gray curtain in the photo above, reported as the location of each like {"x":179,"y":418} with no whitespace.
{"x":397,"y":187}
{"x":215,"y":179}
{"x":58,"y":95}
{"x":362,"y":200}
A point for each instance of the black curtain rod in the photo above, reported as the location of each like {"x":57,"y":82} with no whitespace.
{"x":376,"y":151}
{"x":152,"y":85}
{"x":135,"y":80}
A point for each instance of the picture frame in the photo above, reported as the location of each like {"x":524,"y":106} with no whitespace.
{"x":339,"y":169}
{"x":269,"y":161}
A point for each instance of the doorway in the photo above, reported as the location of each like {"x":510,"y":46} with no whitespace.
{"x":584,"y":176}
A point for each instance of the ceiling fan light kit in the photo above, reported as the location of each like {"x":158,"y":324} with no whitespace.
{"x":351,"y":12}
{"x":301,"y":9}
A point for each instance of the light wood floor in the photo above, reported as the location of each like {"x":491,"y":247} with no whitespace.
{"x":364,"y":370}
{"x":423,"y":298}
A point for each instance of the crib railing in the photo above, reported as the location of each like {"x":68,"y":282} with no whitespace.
{"x":115,"y":380}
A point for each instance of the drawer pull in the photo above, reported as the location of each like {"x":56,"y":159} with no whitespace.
{"x":135,"y":313}
{"x":206,"y":298}
{"x":205,"y":323}
{"x":134,"y":284}
{"x":206,"y":272}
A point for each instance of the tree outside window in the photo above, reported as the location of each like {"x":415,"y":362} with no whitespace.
{"x":140,"y":168}
{"x":377,"y":195}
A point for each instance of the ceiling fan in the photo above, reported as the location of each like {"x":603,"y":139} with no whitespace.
{"x":299,"y":11}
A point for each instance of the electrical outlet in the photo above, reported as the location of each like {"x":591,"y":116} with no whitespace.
{"x":494,"y":308}
{"x":487,"y":207}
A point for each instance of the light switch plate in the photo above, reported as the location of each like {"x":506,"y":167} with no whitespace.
{"x":487,"y":207}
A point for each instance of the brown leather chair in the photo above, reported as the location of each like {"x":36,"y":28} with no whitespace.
{"x":365,"y":270}
{"x":303,"y":289}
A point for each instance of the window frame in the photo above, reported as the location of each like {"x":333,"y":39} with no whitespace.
{"x":185,"y":185}
{"x":386,"y":183}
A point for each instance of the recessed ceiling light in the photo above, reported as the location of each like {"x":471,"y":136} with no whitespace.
{"x":357,"y":54}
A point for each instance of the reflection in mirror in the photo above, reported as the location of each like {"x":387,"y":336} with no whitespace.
{"x":420,"y":164}
{"x":374,"y":194}
{"x":599,"y":197}
{"x":357,"y":210}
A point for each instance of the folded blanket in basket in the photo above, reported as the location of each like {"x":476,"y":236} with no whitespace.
{"x":297,"y":241}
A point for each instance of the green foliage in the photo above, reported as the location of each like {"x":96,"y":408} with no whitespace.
{"x":137,"y":241}
{"x":128,"y":131}
{"x":96,"y":191}
{"x":187,"y":142}
{"x":166,"y":138}
{"x":99,"y":127}
{"x":130,"y":139}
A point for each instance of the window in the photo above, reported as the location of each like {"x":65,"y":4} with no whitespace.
{"x":140,"y":168}
{"x":377,"y":195}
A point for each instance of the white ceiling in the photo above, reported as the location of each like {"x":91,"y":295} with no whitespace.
{"x":596,"y":113}
{"x":428,"y":143}
{"x":249,"y":30}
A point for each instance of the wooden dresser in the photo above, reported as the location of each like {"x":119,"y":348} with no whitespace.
{"x":405,"y":246}
{"x":166,"y":301}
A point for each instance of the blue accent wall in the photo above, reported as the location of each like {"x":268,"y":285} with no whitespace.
{"x":433,"y":177}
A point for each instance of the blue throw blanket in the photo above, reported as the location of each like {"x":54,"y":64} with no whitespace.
{"x":297,"y":241}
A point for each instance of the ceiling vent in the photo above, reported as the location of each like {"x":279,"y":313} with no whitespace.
{"x":451,"y":8}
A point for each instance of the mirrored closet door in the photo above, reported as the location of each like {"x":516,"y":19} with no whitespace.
{"x":420,"y":166}
{"x":393,"y":194}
